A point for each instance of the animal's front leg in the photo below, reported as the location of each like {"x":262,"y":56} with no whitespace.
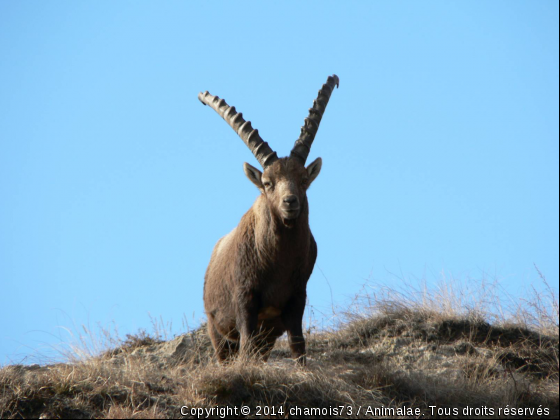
{"x":247,"y":320}
{"x":293,"y":317}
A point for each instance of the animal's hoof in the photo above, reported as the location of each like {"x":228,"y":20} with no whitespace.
{"x":301,"y":360}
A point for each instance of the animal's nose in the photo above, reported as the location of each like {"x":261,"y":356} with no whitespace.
{"x":291,"y":200}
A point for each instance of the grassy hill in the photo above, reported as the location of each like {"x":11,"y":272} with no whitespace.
{"x":401,"y":358}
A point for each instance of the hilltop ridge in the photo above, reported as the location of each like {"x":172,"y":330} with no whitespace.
{"x":396,"y":363}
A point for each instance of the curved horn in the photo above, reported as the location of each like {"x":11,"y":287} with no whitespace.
{"x":260,"y":148}
{"x":302,"y":145}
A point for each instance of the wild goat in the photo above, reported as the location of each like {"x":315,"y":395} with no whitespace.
{"x":255,"y":284}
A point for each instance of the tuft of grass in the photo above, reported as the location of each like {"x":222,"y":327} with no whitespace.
{"x":133,"y":342}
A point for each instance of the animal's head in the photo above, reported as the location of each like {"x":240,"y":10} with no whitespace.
{"x":283,"y":182}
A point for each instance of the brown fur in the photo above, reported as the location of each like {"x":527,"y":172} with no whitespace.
{"x":255,"y":284}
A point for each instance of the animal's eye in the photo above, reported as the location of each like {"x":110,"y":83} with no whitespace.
{"x":304,"y":181}
{"x":267,"y":184}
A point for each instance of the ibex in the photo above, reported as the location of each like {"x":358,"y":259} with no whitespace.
{"x":255,"y":283}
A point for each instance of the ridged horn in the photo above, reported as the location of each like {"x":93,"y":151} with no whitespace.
{"x":303,"y":144}
{"x":250,"y":136}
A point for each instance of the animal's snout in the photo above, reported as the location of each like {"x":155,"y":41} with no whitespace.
{"x":291,"y":201}
{"x":290,"y":207}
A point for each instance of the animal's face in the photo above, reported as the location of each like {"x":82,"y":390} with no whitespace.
{"x":284,"y":184}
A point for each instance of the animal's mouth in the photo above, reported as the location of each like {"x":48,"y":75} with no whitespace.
{"x":290,"y":214}
{"x":289,"y":217}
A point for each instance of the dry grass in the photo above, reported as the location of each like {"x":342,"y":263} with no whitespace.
{"x":436,"y":352}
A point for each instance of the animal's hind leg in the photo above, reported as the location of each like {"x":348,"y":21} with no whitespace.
{"x":265,"y":346}
{"x":231,"y":348}
{"x":223,"y":347}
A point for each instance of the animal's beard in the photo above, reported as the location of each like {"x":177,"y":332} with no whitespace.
{"x":289,"y":223}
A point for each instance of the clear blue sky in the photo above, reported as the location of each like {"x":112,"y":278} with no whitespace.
{"x":440,"y":149}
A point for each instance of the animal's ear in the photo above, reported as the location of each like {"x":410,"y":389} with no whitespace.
{"x":253,"y":174}
{"x":314,"y":168}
